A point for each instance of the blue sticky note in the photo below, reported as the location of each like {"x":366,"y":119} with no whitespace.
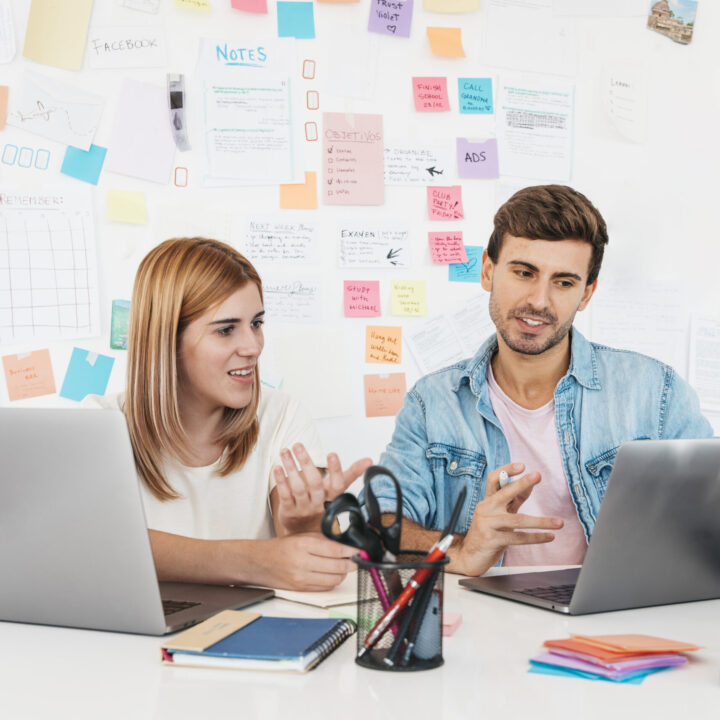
{"x":84,"y":165}
{"x":469,"y":271}
{"x":87,"y":374}
{"x":295,"y":19}
{"x":631,"y":679}
{"x":475,"y":96}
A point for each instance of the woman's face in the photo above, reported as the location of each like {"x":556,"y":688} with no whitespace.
{"x":218,"y":353}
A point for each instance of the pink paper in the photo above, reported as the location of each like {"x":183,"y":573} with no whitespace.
{"x":447,"y":247}
{"x":255,"y":6}
{"x":431,"y":94}
{"x":362,"y":298}
{"x":445,"y":203}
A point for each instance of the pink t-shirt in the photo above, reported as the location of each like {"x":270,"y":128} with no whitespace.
{"x":533,"y":440}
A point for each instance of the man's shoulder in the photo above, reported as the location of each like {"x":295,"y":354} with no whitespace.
{"x":446,"y":379}
{"x":619,"y":359}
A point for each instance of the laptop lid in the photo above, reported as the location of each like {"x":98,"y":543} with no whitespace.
{"x":74,"y":547}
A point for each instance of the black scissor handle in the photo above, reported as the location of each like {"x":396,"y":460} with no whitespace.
{"x":357,"y":534}
{"x":390,"y":533}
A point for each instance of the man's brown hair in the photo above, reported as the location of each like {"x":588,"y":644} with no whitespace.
{"x":551,"y":212}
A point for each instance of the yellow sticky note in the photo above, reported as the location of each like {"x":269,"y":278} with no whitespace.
{"x":407,"y":297}
{"x":446,"y":41}
{"x":29,"y":375}
{"x":383,"y":344}
{"x":451,"y":6}
{"x":300,"y":196}
{"x":57,"y":32}
{"x":201,"y":5}
{"x":126,"y":206}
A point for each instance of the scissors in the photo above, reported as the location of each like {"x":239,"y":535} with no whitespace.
{"x":380,"y":542}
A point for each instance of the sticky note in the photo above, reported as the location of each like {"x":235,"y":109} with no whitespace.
{"x":477,"y":159}
{"x":126,"y":206}
{"x":475,"y":96}
{"x":295,"y":19}
{"x":254,"y":6}
{"x":28,"y":375}
{"x":56,"y":32}
{"x":445,"y":202}
{"x":338,"y":2}
{"x":391,"y":17}
{"x":200,"y":5}
{"x":300,"y":196}
{"x":445,"y":41}
{"x":447,"y":247}
{"x":361,"y":298}
{"x":3,"y":105}
{"x":384,"y":394}
{"x":87,"y":374}
{"x":119,"y":324}
{"x":430,"y":94}
{"x":383,"y":344}
{"x":85,"y":166}
{"x":468,"y":271}
{"x":407,"y":297}
{"x":451,"y":6}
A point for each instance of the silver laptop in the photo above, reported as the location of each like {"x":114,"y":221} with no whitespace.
{"x":74,"y":548}
{"x":656,"y":540}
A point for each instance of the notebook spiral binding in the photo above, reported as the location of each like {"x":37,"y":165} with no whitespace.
{"x":328,"y":642}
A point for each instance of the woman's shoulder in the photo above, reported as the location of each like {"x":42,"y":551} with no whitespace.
{"x":275,"y":404}
{"x":114,"y":401}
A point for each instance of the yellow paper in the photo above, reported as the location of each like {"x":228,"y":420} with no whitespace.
{"x":383,"y":344}
{"x":211,"y":631}
{"x":451,"y":6}
{"x":407,"y":297}
{"x":127,"y":206}
{"x":200,"y":5}
{"x":300,"y":196}
{"x":57,"y":32}
{"x":446,"y":41}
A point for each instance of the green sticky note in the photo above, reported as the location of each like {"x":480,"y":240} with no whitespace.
{"x":119,"y":324}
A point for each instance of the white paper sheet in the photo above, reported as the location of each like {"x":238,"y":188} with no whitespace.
{"x":148,"y":6}
{"x":416,"y":164}
{"x":286,"y":239}
{"x":126,"y":47}
{"x":191,"y":219}
{"x":352,"y":63}
{"x":48,"y":266}
{"x":704,"y":373}
{"x":7,"y":32}
{"x":51,"y":108}
{"x":370,"y":245}
{"x":344,"y":594}
{"x":624,"y":90}
{"x":292,"y":299}
{"x":601,"y":8}
{"x":535,"y":128}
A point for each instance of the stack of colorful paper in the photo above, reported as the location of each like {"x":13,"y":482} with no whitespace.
{"x":617,"y":658}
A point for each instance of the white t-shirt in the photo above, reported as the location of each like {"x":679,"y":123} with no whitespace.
{"x":236,"y":506}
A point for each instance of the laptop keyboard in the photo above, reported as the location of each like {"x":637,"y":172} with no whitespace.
{"x":560,"y":594}
{"x":173,"y":606}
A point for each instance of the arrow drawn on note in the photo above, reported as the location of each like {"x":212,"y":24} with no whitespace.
{"x":433,"y":171}
{"x":392,"y":254}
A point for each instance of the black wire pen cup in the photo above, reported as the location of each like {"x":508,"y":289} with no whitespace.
{"x":414,"y":639}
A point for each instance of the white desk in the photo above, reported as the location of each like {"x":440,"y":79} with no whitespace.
{"x":56,"y":673}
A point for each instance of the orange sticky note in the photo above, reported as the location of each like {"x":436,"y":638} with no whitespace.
{"x":447,"y":247}
{"x":430,"y":94}
{"x":446,"y":41}
{"x":636,"y":643}
{"x":3,"y":104}
{"x":300,"y":196}
{"x":383,"y":344}
{"x":384,"y":394}
{"x":29,"y":375}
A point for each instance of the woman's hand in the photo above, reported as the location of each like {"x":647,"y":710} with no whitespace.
{"x":298,"y":499}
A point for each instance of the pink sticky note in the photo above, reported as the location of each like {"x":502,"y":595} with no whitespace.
{"x":255,"y":6}
{"x":451,"y":622}
{"x":431,"y":94}
{"x":445,"y":203}
{"x":447,"y":247}
{"x":362,"y":298}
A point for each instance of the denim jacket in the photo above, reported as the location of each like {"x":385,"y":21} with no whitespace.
{"x":447,"y":436}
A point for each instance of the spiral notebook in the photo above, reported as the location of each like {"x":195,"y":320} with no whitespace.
{"x":249,"y":641}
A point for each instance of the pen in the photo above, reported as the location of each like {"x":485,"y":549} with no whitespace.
{"x":437,"y":552}
{"x":379,"y":586}
{"x":504,"y":478}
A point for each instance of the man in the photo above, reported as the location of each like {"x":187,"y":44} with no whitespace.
{"x":537,"y":401}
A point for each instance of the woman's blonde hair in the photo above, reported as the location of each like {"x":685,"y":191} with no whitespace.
{"x":178,"y":281}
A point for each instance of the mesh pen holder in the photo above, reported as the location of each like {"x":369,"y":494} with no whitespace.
{"x":419,"y":646}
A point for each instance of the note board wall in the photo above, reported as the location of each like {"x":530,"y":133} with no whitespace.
{"x":639,"y":138}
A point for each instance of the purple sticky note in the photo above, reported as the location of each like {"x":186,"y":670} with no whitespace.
{"x":391,"y":17}
{"x":477,"y":159}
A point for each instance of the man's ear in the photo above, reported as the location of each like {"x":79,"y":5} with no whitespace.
{"x":589,"y":291}
{"x":486,"y":273}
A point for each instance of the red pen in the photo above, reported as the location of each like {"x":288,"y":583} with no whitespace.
{"x":437,"y":552}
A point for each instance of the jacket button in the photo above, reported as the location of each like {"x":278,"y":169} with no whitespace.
{"x":453,"y":465}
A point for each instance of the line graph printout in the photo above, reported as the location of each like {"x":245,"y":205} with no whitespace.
{"x":48,"y":267}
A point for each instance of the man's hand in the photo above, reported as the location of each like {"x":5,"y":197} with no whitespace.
{"x":496,"y":523}
{"x":298,"y":505}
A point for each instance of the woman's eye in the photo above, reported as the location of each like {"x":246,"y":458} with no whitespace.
{"x":225,"y":330}
{"x":257,"y":324}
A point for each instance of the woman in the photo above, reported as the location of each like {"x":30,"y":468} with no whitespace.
{"x":205,"y":438}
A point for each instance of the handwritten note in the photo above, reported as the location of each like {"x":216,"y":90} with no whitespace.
{"x":383,"y":344}
{"x":295,"y":19}
{"x":300,"y":196}
{"x":477,"y":159}
{"x":415,"y":165}
{"x":126,"y":206}
{"x":391,"y":17}
{"x":447,"y":247}
{"x":384,"y":394}
{"x":361,"y":298}
{"x":475,"y":95}
{"x":293,"y":300}
{"x":467,"y":271}
{"x":430,"y":94}
{"x":87,"y":374}
{"x":126,"y":47}
{"x":28,"y":375}
{"x":200,"y":5}
{"x":445,"y":203}
{"x":148,"y":6}
{"x":270,"y":239}
{"x":445,"y":41}
{"x":353,"y":159}
{"x":407,"y":297}
{"x":367,"y":246}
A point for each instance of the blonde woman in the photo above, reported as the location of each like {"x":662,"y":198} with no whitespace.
{"x":206,"y":439}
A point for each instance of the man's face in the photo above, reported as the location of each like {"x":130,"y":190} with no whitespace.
{"x":536,"y":288}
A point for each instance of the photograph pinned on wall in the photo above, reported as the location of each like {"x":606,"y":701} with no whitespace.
{"x":673,"y":18}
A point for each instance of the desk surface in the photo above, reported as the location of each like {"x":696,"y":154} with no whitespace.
{"x":57,"y":673}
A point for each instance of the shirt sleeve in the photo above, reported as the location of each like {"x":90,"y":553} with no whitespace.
{"x":683,"y":418}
